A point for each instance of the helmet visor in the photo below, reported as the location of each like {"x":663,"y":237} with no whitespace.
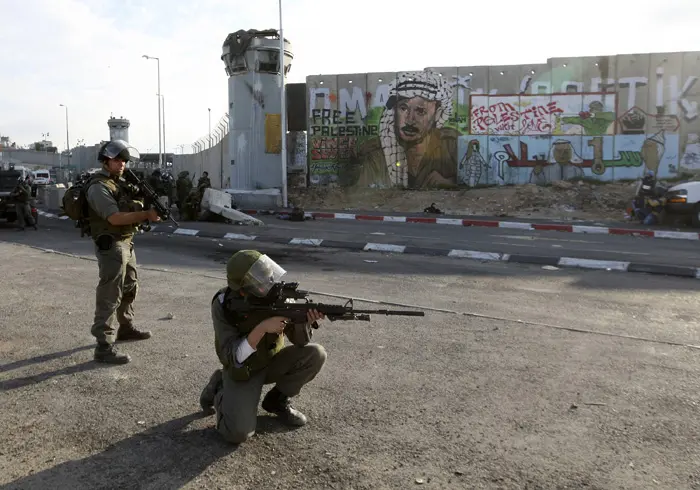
{"x":122,"y":150}
{"x":261,"y":276}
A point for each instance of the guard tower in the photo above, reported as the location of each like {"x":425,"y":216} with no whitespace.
{"x":254,"y":106}
{"x":118,"y":128}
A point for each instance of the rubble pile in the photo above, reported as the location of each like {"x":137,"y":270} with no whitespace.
{"x":562,"y":200}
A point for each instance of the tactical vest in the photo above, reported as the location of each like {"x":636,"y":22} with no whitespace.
{"x":267,"y":348}
{"x":99,"y":226}
{"x":24,"y":193}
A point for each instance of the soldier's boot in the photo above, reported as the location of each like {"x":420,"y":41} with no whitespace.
{"x":206,"y":399}
{"x":128,"y":332}
{"x":279,"y":404}
{"x":108,"y":354}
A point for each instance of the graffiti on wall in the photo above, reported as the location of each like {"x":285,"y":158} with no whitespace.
{"x":608,"y":118}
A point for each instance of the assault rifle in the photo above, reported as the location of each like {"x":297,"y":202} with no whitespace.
{"x":276,"y":304}
{"x":150,"y":196}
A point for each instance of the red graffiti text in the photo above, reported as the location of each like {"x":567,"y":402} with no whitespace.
{"x":505,"y":118}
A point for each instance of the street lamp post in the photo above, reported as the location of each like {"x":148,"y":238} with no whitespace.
{"x":165,"y":151}
{"x":67,"y":138}
{"x":283,"y":113}
{"x":160,"y":148}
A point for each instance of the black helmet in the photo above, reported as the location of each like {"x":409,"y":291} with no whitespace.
{"x":118,"y":149}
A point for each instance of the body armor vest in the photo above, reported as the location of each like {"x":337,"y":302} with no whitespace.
{"x":99,"y":226}
{"x":267,"y":348}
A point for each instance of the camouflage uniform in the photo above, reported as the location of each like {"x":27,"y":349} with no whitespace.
{"x":204,"y":182}
{"x":22,"y":195}
{"x":190,"y":208}
{"x":114,"y":249}
{"x":183,"y":186}
{"x":235,"y":390}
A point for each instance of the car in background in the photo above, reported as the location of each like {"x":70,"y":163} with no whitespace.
{"x":41,"y":177}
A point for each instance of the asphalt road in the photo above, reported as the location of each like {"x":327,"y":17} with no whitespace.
{"x":449,"y":400}
{"x":501,"y":240}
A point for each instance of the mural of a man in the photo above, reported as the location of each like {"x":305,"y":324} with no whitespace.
{"x":413,"y":148}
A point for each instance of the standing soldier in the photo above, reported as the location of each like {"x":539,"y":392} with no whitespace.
{"x":114,"y":216}
{"x":183,"y":187}
{"x":204,"y":181}
{"x":22,"y":194}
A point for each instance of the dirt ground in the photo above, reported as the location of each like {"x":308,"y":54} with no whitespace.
{"x":445,"y":401}
{"x":563,"y":200}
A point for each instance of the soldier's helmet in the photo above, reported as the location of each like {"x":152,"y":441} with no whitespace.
{"x":118,"y":149}
{"x":253,"y":272}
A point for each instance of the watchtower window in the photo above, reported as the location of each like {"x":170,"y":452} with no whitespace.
{"x":237,"y":65}
{"x":268,"y":61}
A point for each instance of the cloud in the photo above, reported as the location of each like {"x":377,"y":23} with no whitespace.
{"x":87,"y":53}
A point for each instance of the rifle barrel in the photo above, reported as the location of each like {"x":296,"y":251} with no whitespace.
{"x":391,"y":312}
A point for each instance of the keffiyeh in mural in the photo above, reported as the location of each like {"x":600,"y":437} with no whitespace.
{"x":427,"y":85}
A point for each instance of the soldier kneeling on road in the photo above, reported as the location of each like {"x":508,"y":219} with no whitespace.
{"x":253,"y":354}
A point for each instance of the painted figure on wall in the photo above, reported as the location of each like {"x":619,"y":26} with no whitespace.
{"x":594,"y":122}
{"x":413,"y":149}
{"x":473,"y":165}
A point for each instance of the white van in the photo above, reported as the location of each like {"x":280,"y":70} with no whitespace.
{"x":41,"y":177}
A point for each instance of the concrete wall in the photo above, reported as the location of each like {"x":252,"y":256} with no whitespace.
{"x":84,"y":157}
{"x":213,"y":160}
{"x":33,"y":157}
{"x":606,"y":118}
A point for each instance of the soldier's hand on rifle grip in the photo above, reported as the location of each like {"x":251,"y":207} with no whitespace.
{"x":153,"y":216}
{"x":275,"y":324}
{"x":313,"y":316}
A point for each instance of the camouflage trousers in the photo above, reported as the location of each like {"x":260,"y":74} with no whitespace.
{"x":236,"y":402}
{"x":116,"y":290}
{"x":24,"y":215}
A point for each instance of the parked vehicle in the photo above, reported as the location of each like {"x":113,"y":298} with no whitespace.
{"x":41,"y":177}
{"x":684,"y":200}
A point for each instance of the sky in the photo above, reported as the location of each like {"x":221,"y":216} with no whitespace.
{"x":87,"y":54}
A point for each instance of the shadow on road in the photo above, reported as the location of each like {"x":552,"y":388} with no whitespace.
{"x":165,"y":456}
{"x":12,"y":384}
{"x":43,"y":358}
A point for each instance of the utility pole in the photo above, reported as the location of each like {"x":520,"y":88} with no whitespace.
{"x":283,"y":113}
{"x":165,"y":151}
{"x":67,"y":138}
{"x":160,"y":148}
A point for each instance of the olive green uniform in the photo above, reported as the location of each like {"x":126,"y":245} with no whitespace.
{"x":237,"y":397}
{"x":190,"y":209}
{"x":183,"y":186}
{"x":22,"y":195}
{"x":114,"y":249}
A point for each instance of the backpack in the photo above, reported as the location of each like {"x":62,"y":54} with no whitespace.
{"x":75,"y":205}
{"x":75,"y":202}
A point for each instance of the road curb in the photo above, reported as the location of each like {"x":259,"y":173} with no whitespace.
{"x":675,"y":235}
{"x":517,"y":225}
{"x":562,"y":262}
